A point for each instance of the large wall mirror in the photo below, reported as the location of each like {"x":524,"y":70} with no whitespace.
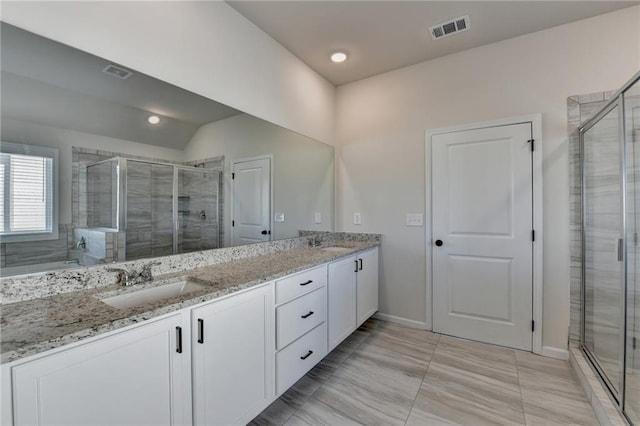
{"x":140,"y":168}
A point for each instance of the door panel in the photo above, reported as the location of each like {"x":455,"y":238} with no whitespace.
{"x":482,"y":213}
{"x":252,"y":201}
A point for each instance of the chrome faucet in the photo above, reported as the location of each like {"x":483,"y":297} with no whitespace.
{"x":82,"y":244}
{"x":314,"y":241}
{"x":124,"y":278}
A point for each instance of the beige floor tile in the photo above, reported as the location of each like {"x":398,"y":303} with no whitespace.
{"x":315,"y":412}
{"x":418,"y":344}
{"x":387,"y":374}
{"x":478,"y":358}
{"x":465,"y":397}
{"x":417,"y":417}
{"x":383,"y":370}
{"x":366,"y":406}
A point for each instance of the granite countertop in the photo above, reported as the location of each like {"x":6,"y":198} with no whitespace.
{"x":33,"y":326}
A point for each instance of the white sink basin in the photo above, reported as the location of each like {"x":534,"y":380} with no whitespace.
{"x":338,"y":249}
{"x":154,"y":294}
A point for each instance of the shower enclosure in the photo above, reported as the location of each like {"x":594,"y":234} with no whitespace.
{"x":610,"y":326}
{"x":157,"y":209}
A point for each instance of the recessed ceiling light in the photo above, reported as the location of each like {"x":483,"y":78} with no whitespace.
{"x":153,"y":119}
{"x":338,"y":56}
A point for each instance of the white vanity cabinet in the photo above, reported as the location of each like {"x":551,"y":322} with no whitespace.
{"x":367,"y":285}
{"x":352,"y":294}
{"x":301,"y":328}
{"x":233,"y":345}
{"x":137,"y":376}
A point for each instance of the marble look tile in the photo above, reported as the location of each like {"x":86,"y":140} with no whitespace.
{"x":418,"y":344}
{"x":383,"y":370}
{"x":315,"y":412}
{"x":417,"y":417}
{"x":494,"y":362}
{"x":283,"y":408}
{"x":550,"y":391}
{"x":467,"y":397}
{"x":365,"y":405}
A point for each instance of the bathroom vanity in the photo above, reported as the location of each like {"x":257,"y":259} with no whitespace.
{"x":214,"y":344}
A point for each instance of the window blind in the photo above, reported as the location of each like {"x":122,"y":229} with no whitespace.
{"x":27,"y":188}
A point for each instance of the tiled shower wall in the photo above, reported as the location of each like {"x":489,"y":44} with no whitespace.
{"x":579,"y":109}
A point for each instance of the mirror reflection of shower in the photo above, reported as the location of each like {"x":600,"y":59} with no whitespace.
{"x":152,"y":208}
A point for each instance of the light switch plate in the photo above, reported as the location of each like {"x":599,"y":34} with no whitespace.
{"x":318,"y":217}
{"x":357,"y":219}
{"x":278,"y":217}
{"x":415,"y":219}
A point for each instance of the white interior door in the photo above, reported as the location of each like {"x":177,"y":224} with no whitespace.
{"x":482,"y":234}
{"x":251,"y":193}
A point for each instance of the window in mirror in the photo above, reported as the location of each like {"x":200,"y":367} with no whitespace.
{"x":28,"y":184}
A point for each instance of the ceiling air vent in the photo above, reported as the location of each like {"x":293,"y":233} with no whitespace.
{"x":448,"y":28}
{"x":116,"y":71}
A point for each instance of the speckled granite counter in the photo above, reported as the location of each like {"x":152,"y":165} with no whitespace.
{"x":32,"y":326}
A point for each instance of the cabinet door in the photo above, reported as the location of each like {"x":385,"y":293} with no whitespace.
{"x":233,"y":367}
{"x":135,"y":377}
{"x":367,"y":279}
{"x":342,"y":300}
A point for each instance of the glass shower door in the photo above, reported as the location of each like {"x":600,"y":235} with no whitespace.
{"x":149,"y":210}
{"x":632,"y":370}
{"x":603,"y":246}
{"x":198,"y":224}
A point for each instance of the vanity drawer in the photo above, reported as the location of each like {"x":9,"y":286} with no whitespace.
{"x":293,"y":362}
{"x":295,"y":318}
{"x":298,"y":284}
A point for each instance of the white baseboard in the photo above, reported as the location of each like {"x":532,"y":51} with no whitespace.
{"x":399,"y":320}
{"x":556,"y":353}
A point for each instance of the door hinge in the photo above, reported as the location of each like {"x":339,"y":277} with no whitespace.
{"x":533,"y":326}
{"x":233,"y":176}
{"x":634,"y":342}
{"x":233,"y":223}
{"x":533,"y":235}
{"x":533,"y":144}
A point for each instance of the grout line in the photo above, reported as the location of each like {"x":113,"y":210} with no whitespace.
{"x":524,"y":414}
{"x":435,"y":347}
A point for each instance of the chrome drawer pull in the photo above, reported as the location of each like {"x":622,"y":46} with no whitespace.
{"x":307,"y":355}
{"x":307,"y":315}
{"x":307,"y":283}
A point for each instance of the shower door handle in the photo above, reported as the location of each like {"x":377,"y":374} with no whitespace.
{"x":620,"y":249}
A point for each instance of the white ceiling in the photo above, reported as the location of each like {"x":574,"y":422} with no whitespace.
{"x":49,"y":83}
{"x":384,"y":35}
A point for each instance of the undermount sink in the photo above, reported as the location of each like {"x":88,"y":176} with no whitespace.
{"x":338,"y":249}
{"x":154,"y":294}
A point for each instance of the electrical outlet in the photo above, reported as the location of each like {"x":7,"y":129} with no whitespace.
{"x":357,"y":219}
{"x":414,"y":219}
{"x":318,"y":217}
{"x":278,"y":217}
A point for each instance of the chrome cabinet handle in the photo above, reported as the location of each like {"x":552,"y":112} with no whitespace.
{"x":307,"y":355}
{"x":307,"y":315}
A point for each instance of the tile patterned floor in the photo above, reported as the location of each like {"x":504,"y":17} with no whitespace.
{"x":387,"y":374}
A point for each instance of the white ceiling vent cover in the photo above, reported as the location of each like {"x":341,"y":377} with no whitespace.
{"x":448,"y":28}
{"x":116,"y":71}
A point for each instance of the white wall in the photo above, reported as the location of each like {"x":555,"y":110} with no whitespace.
{"x":19,"y":131}
{"x":206,"y":47}
{"x":303,"y":169}
{"x":381,"y":123}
